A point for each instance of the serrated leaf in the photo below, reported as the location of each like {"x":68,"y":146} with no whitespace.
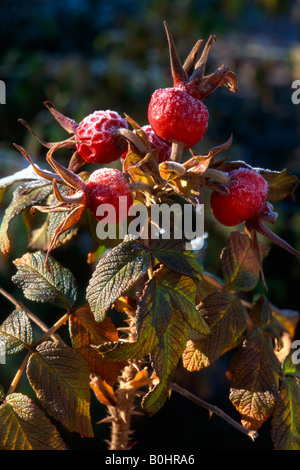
{"x":281,"y":184}
{"x":60,"y":379}
{"x":164,"y":359}
{"x":262,"y":317}
{"x":115,"y":273}
{"x":182,"y":292}
{"x":16,"y":332}
{"x":23,"y":198}
{"x":255,"y":378}
{"x":239,"y":263}
{"x":285,"y":424}
{"x":145,"y":322}
{"x":85,"y":332}
{"x":57,"y":286}
{"x":171,"y":253}
{"x":227,"y":319}
{"x":23,"y":426}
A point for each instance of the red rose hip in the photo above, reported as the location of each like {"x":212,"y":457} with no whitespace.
{"x":99,"y":142}
{"x":106,"y":186}
{"x":176,"y":116}
{"x":246,"y":199}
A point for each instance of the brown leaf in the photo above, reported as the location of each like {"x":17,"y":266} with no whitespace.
{"x":85,"y":331}
{"x":103,"y":391}
{"x":255,"y":379}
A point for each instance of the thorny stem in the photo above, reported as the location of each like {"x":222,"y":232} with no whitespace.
{"x":213,"y":410}
{"x":18,"y":375}
{"x":120,"y":414}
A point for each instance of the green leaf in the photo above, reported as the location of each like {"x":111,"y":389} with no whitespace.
{"x":281,"y":184}
{"x":239,"y":263}
{"x":16,"y":332}
{"x":23,"y":426}
{"x":24,"y":197}
{"x":171,"y":253}
{"x":57,"y":286}
{"x":255,"y":376}
{"x":285,"y":430}
{"x":164,"y":358}
{"x":115,"y":273}
{"x":146,"y":321}
{"x":182,"y":292}
{"x":60,"y":379}
{"x":291,"y":364}
{"x":227,"y":319}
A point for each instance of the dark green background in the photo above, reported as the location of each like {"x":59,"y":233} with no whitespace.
{"x":88,"y":55}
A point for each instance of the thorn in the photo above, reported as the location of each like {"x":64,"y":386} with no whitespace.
{"x":105,"y":420}
{"x":210,"y":413}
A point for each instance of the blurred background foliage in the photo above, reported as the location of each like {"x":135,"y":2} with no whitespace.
{"x":95,"y":54}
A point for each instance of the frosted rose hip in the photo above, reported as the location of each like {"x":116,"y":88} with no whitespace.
{"x":247,"y":195}
{"x":97,"y":133}
{"x":164,"y":148}
{"x":176,"y":116}
{"x":105,"y":186}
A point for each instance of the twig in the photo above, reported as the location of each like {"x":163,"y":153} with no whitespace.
{"x":49,"y":333}
{"x":31,"y":315}
{"x":17,"y":377}
{"x":213,"y":409}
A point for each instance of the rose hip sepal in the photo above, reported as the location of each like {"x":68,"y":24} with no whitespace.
{"x":247,"y":194}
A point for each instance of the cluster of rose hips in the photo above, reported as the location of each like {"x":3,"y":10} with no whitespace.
{"x":178,"y":120}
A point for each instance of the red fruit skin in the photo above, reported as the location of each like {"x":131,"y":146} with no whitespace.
{"x":176,"y":116}
{"x":99,"y":140}
{"x":164,"y":148}
{"x":246,"y":199}
{"x":105,"y":186}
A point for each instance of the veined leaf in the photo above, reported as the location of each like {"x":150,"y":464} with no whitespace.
{"x":164,"y":359}
{"x":227,"y":319}
{"x":115,"y":273}
{"x":23,"y":426}
{"x":60,"y":379}
{"x":182,"y":292}
{"x":255,"y":378}
{"x":289,"y":319}
{"x":239,"y":263}
{"x":262,"y":316}
{"x":285,"y":430}
{"x":23,"y":197}
{"x":16,"y":332}
{"x":172,"y":254}
{"x":57,"y":286}
{"x":146,"y":319}
{"x":85,"y":332}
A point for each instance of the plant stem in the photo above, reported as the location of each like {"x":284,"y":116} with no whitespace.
{"x":31,"y":315}
{"x":213,"y":409}
{"x":176,"y":152}
{"x":49,"y":334}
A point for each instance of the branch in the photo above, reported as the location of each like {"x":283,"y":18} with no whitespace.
{"x":213,"y":409}
{"x":31,"y":315}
